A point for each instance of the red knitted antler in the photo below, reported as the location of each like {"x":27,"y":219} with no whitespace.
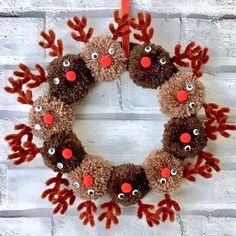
{"x":200,"y":168}
{"x":143,"y":25}
{"x":122,"y":23}
{"x":87,"y":215}
{"x":217,"y":121}
{"x":111,"y":215}
{"x":195,"y":54}
{"x":79,"y":25}
{"x":145,"y":210}
{"x":56,"y":47}
{"x":165,"y":208}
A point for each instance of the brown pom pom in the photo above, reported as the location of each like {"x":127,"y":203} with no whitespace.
{"x":184,"y":137}
{"x":105,"y":58}
{"x":49,"y":116}
{"x":150,"y":65}
{"x":89,"y":180}
{"x":164,"y":171}
{"x":69,"y":78}
{"x":183,"y":95}
{"x":63,"y":152}
{"x":128,"y":184}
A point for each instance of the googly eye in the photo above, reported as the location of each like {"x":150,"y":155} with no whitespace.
{"x":121,"y":196}
{"x":37,"y":127}
{"x":163,"y":61}
{"x":148,"y":49}
{"x":59,"y":166}
{"x":135,"y":192}
{"x":76,"y":185}
{"x":56,"y":81}
{"x":38,"y":108}
{"x":196,"y":132}
{"x":94,"y":55}
{"x":66,"y":63}
{"x":189,"y":87}
{"x":187,"y":148}
{"x":173,"y":171}
{"x":90,"y":192}
{"x":163,"y":181}
{"x":111,"y":51}
{"x":51,"y":151}
{"x":192,"y":105}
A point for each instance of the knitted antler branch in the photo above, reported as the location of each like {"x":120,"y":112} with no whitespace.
{"x":111,"y":215}
{"x":79,"y":25}
{"x":195,"y":54}
{"x":146,"y":210}
{"x":122,"y":23}
{"x":87,"y":215}
{"x":165,"y":208}
{"x":217,"y":121}
{"x":143,"y":25}
{"x":56,"y":47}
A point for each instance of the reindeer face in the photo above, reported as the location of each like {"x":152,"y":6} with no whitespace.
{"x":63,"y":153}
{"x":49,"y":116}
{"x":89,"y":180}
{"x":150,"y":65}
{"x":183,"y":95}
{"x":164,"y":171}
{"x":184,"y":137}
{"x":69,"y":78}
{"x":105,"y":58}
{"x":128,"y":184}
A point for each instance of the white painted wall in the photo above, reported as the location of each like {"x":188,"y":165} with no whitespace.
{"x":119,"y":120}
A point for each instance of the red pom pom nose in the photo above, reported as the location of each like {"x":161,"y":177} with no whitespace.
{"x":67,"y":153}
{"x":48,"y":119}
{"x":126,"y":188}
{"x":146,"y":62}
{"x":88,"y":180}
{"x":106,"y":61}
{"x":71,"y":75}
{"x":182,"y":96}
{"x":185,"y":137}
{"x":165,"y":172}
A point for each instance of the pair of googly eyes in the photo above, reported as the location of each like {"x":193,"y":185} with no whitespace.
{"x":188,"y":148}
{"x":111,"y":52}
{"x":149,"y":49}
{"x":90,"y":192}
{"x":172,"y":172}
{"x":121,"y":196}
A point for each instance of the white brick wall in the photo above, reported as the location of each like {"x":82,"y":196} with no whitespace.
{"x":125,"y":117}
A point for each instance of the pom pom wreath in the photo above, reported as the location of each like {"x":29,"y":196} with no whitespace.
{"x":174,"y":141}
{"x":89,"y":180}
{"x":128,"y":184}
{"x":69,"y":79}
{"x":105,"y":58}
{"x":150,"y":65}
{"x":183,"y":95}
{"x":49,"y":116}
{"x":164,"y":171}
{"x":63,"y":152}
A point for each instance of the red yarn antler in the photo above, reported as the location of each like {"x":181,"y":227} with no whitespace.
{"x":87,"y":215}
{"x":56,"y":47}
{"x":217,"y":121}
{"x":197,"y":55}
{"x":146,"y":210}
{"x":165,"y":208}
{"x":202,"y":168}
{"x":111,"y":215}
{"x":122,"y":23}
{"x":143,"y":25}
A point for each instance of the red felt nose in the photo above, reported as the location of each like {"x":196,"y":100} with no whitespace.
{"x":146,"y":62}
{"x":106,"y":61}
{"x":67,"y":153}
{"x":126,"y":188}
{"x":182,"y":96}
{"x":88,"y":180}
{"x":71,"y":75}
{"x":165,"y":172}
{"x":48,"y":119}
{"x":185,"y":137}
